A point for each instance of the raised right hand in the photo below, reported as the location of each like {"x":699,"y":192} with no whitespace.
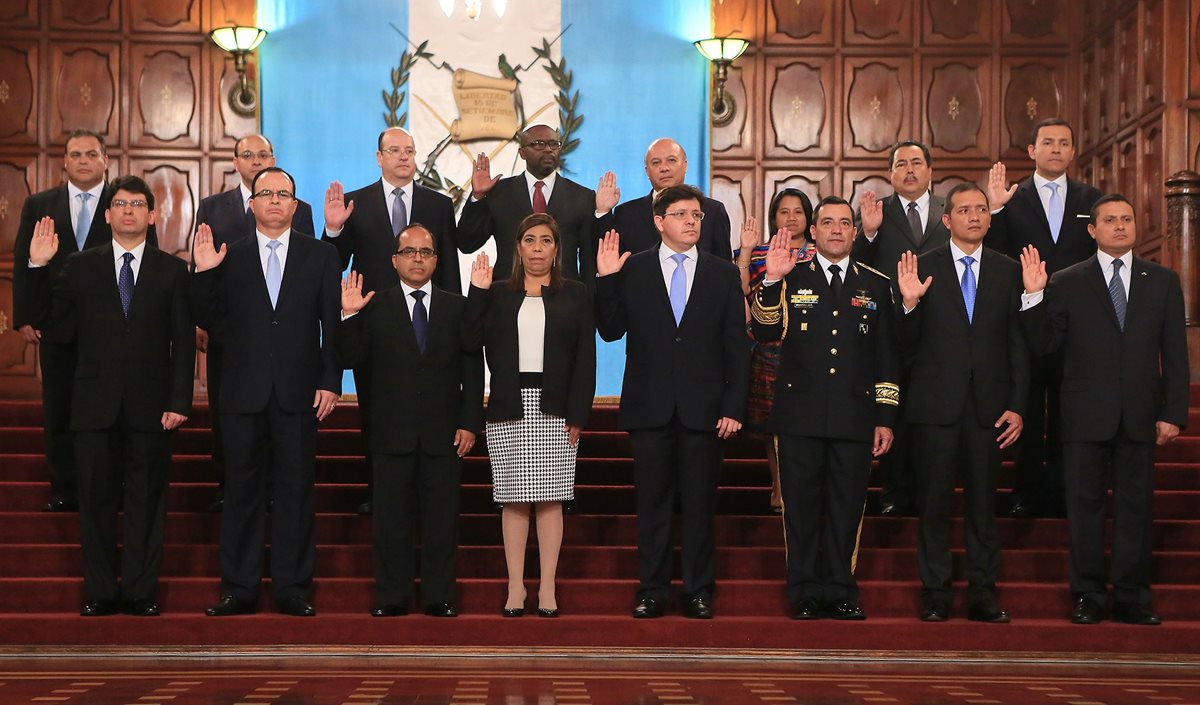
{"x":609,"y":259}
{"x":751,"y":236}
{"x":353,"y":300}
{"x":870,"y":210}
{"x":337,"y":211}
{"x":204,"y":254}
{"x":998,"y":190}
{"x":481,"y":273}
{"x":482,"y":180}
{"x":44,"y":244}
{"x":909,"y":281}
{"x":1033,"y":270}
{"x":780,"y":259}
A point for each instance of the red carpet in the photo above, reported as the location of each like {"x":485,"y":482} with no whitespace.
{"x":40,"y":591}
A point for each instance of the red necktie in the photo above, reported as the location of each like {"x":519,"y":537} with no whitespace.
{"x":539,"y":198}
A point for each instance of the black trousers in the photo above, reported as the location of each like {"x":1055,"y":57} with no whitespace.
{"x":667,"y":460}
{"x":1039,"y":479}
{"x":824,"y":487}
{"x":407,"y":486}
{"x":1087,"y":469}
{"x":214,"y":365}
{"x":362,"y":388}
{"x":283,"y":445}
{"x":939,"y":451}
{"x":897,"y":473}
{"x":116,"y":462}
{"x":58,"y":380}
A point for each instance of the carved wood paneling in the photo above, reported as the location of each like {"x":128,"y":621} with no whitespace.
{"x":1089,"y":108}
{"x":176,"y":186}
{"x":165,"y":15}
{"x":1153,"y":53}
{"x":84,"y":92}
{"x":1103,"y":95}
{"x":878,"y":21}
{"x":855,"y":181}
{"x":18,"y":92}
{"x":224,"y":177}
{"x":789,"y":22}
{"x":1041,"y":21}
{"x":18,"y":175}
{"x":164,"y":96}
{"x":737,"y":19}
{"x":878,"y":104}
{"x":1127,"y":75}
{"x":1032,"y":92}
{"x":19,"y":13}
{"x":816,"y":183}
{"x":1105,"y":175}
{"x":17,"y":359}
{"x":734,"y":139}
{"x":942,"y":185}
{"x":957,"y":22}
{"x":1151,"y":206}
{"x":91,"y":15}
{"x":954,"y":106}
{"x":801,"y":108}
{"x":735,"y":188}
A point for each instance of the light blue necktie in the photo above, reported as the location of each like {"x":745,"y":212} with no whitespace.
{"x":274,"y":271}
{"x":678,"y":287}
{"x":968,"y":287}
{"x":84,"y":223}
{"x":399,"y":212}
{"x":1055,"y":211}
{"x":1116,"y":289}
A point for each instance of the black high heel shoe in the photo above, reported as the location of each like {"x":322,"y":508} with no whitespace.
{"x":515,"y":611}
{"x":543,"y":612}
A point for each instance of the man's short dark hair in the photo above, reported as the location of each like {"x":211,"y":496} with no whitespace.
{"x":1050,"y":122}
{"x":271,"y":170}
{"x":237,"y":146}
{"x":829,"y":201}
{"x":963,"y":188}
{"x":1108,"y":198}
{"x":674,"y":194}
{"x":77,"y":133}
{"x":908,"y":143}
{"x":133,"y":184}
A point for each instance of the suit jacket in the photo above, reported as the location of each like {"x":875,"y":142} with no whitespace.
{"x":1023,"y":222}
{"x":895,"y":236}
{"x":288,"y":350}
{"x":420,"y":399}
{"x":142,"y":364}
{"x":634,"y":221}
{"x":367,"y":236}
{"x":568,"y":353}
{"x":223,"y":212}
{"x":500,"y":212}
{"x":1114,"y":379}
{"x":837,"y":375}
{"x":56,"y":203}
{"x":953,"y":358}
{"x":698,"y":370}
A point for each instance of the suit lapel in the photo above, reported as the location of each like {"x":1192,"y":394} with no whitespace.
{"x":895,"y":211}
{"x":62,"y":214}
{"x":146,"y":279}
{"x":937,"y":207}
{"x":436,"y":323}
{"x":1139,"y":288}
{"x":661,"y":297}
{"x":1029,"y":193}
{"x":297,"y":254}
{"x":107,"y":272}
{"x":407,"y":336}
{"x":376,"y":209}
{"x":1095,"y":274}
{"x":700,"y":286}
{"x":945,"y":268}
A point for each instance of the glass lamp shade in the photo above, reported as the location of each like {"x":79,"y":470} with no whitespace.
{"x":721,"y":48}
{"x":238,"y":39}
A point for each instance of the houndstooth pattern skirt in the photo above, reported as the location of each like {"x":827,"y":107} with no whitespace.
{"x":532,"y":460}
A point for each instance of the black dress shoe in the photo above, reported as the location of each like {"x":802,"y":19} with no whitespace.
{"x":1087,"y":611}
{"x":987,"y":612}
{"x":934,"y":611}
{"x":98,"y":608}
{"x":141,"y":608}
{"x":60,"y":505}
{"x":890,"y":508}
{"x":647,"y":608}
{"x":228,"y":606}
{"x":698,"y":608}
{"x":1130,"y":613}
{"x":513,"y":612}
{"x":389,"y":611}
{"x":1022,"y":509}
{"x":543,"y":612}
{"x":443,"y":609}
{"x":295,"y":606}
{"x":846,"y":610}
{"x":807,"y":609}
{"x":365,"y":508}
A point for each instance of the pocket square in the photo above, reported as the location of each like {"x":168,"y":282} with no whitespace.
{"x":1083,"y":215}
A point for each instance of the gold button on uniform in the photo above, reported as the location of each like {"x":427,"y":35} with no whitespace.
{"x":833,"y":370}
{"x":836,"y":313}
{"x":833,"y":332}
{"x":833,"y":351}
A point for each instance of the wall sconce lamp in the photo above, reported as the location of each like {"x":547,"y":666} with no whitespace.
{"x":240,"y":41}
{"x":722,"y":51}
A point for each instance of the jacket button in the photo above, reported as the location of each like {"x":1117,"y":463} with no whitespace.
{"x":835,"y":312}
{"x":789,"y":385}
{"x":833,"y":351}
{"x":679,"y":340}
{"x":833,"y":370}
{"x":833,"y":332}
{"x":274,"y":323}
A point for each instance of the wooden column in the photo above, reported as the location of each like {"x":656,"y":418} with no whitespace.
{"x":1181,"y":251}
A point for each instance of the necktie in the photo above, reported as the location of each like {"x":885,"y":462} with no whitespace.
{"x":420,"y":319}
{"x":399,"y":213}
{"x":539,"y":198}
{"x":968,"y":287}
{"x":835,"y":281}
{"x":1054,"y":212}
{"x":84,"y":223}
{"x":678,"y":287}
{"x":1116,"y":290}
{"x":274,"y":272}
{"x":914,"y":223}
{"x":250,"y":218}
{"x":125,"y":282}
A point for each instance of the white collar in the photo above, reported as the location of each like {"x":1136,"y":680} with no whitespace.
{"x":1106,"y":259}
{"x":826,"y":264}
{"x":1041,"y":182}
{"x":263,"y":239}
{"x":665,"y":253}
{"x":119,"y":250}
{"x":922,"y":202}
{"x":957,"y":252}
{"x":408,"y":290}
{"x":388,"y":187}
{"x":73,"y":191}
{"x":246,"y":194}
{"x":548,"y":181}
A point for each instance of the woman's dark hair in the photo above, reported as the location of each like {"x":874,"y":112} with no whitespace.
{"x":516,"y":280}
{"x":805,"y":202}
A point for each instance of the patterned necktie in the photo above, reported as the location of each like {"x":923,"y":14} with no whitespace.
{"x":399,"y":212}
{"x":1116,"y":290}
{"x":274,"y":272}
{"x":539,"y":197}
{"x":678,"y":287}
{"x":835,"y":280}
{"x":1054,"y":212}
{"x":914,"y":223}
{"x":84,"y":222}
{"x":125,"y":282}
{"x":968,"y":287}
{"x":420,"y":319}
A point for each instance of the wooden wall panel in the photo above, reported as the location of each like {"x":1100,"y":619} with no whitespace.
{"x":176,"y":187}
{"x":878,"y":21}
{"x":18,"y":14}
{"x":1035,"y":21}
{"x":954,"y":97}
{"x":816,"y":183}
{"x":84,"y":89}
{"x":18,"y":174}
{"x":790,"y":22}
{"x":733,"y":139}
{"x":1032,"y":92}
{"x":801,"y":107}
{"x":736,"y":189}
{"x":181,"y":16}
{"x":18,"y":92}
{"x":165,"y":95}
{"x":964,"y":22}
{"x":878,"y":95}
{"x":87,"y":15}
{"x":1153,"y":74}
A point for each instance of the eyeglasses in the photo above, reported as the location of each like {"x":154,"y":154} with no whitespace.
{"x":393,"y":151}
{"x":262,"y":156}
{"x":121,"y":203}
{"x":269,"y":194}
{"x":410,"y":252}
{"x":544,"y":144}
{"x":698,"y":215}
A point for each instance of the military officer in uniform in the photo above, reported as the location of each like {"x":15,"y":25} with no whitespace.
{"x":836,"y":400}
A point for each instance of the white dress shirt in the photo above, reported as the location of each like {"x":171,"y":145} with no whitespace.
{"x":76,"y":202}
{"x":668,"y":268}
{"x":245,"y":196}
{"x":135,"y":264}
{"x":531,"y":334}
{"x":264,"y":252}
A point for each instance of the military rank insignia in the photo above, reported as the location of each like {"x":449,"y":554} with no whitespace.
{"x":804,"y":298}
{"x":863,"y":300}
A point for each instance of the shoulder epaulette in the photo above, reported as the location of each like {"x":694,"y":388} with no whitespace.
{"x":873,"y":270}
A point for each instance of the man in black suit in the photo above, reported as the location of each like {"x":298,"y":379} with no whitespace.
{"x":1119,"y":321}
{"x":909,"y":220}
{"x":229,"y":216}
{"x":125,"y":306}
{"x":75,"y":207}
{"x":1050,"y":212}
{"x":687,"y":364}
{"x":835,"y":403}
{"x":363,"y":225}
{"x":666,"y":166}
{"x":969,"y":381}
{"x":273,"y":299}
{"x":429,"y":394}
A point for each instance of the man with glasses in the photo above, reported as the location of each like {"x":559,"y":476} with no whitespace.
{"x":229,"y":216}
{"x":75,"y":207}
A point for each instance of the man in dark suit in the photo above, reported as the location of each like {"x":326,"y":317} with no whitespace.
{"x":497,"y":206}
{"x":835,"y":403}
{"x":1119,"y":322}
{"x":363,"y":225}
{"x":666,"y":166}
{"x":429,"y":395}
{"x":75,"y":207}
{"x":125,"y":306}
{"x":1050,"y":212}
{"x":687,"y":364}
{"x":273,"y":299}
{"x":969,"y":381}
{"x":909,"y":220}
{"x":229,"y":216}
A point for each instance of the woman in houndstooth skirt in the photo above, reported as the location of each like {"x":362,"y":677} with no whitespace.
{"x":538,"y":335}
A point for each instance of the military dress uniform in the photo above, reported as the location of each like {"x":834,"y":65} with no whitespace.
{"x":837,"y":382}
